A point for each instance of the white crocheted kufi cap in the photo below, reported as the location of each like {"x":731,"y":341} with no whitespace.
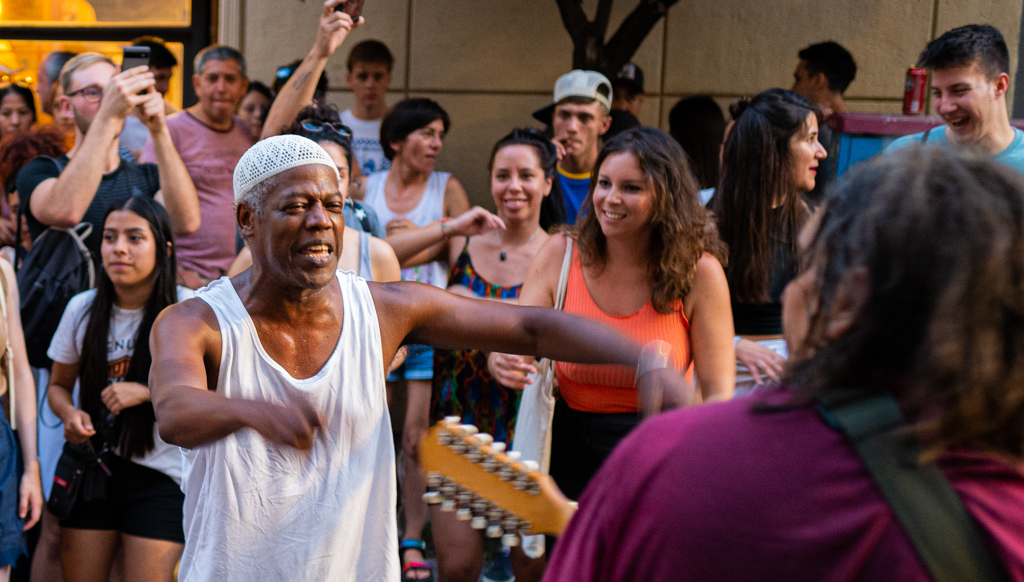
{"x":274,"y":155}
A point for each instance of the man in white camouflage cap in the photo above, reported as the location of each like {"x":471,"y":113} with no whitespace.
{"x":274,"y":383}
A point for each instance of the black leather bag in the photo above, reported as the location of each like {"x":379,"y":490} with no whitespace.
{"x":80,"y":474}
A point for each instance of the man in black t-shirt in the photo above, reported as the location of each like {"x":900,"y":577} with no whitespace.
{"x":94,"y":176}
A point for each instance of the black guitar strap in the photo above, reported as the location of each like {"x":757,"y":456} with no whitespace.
{"x":945,"y":536}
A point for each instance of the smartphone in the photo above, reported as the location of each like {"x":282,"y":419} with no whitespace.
{"x":134,"y":56}
{"x":353,"y":7}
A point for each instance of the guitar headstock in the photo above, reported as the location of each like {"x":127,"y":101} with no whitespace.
{"x":467,"y":472}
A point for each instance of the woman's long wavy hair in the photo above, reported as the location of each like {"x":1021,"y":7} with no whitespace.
{"x":756,"y":179}
{"x":677,"y":228}
{"x":132,"y":430}
{"x":940,"y":235}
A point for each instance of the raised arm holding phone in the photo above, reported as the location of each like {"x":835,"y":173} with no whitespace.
{"x":335,"y":24}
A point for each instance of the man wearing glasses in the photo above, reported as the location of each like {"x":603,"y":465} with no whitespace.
{"x":80,"y":186}
{"x":210,"y":139}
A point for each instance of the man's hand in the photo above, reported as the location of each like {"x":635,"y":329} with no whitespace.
{"x":510,"y":370}
{"x":121,"y":94}
{"x":152,"y":113}
{"x":563,"y":146}
{"x":662,"y":389}
{"x":334,"y":27}
{"x":473,"y":222}
{"x":294,"y":426}
{"x":78,"y":427}
{"x":121,"y":395}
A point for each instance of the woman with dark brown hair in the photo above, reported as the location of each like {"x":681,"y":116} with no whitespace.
{"x":639,"y":265}
{"x":908,"y":293}
{"x":770,"y":159}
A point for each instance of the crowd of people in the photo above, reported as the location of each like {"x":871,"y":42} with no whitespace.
{"x":265,"y":340}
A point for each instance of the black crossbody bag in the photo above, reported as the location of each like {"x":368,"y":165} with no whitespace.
{"x":81,"y":473}
{"x":942,"y":531}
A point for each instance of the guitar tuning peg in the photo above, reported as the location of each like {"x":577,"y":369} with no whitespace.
{"x":510,"y":540}
{"x":452,"y":421}
{"x":432,"y":497}
{"x":494,"y":531}
{"x":514,"y":456}
{"x":433,"y":479}
{"x":464,"y":514}
{"x":483,"y":439}
{"x":478,"y":522}
{"x":531,"y":466}
{"x":498,"y":447}
{"x":448,"y":505}
{"x":468,"y":429}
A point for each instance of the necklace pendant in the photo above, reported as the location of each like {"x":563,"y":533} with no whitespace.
{"x":502,"y":256}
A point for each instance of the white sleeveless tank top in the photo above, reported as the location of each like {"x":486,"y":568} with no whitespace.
{"x":259,"y":511}
{"x":430,"y":208}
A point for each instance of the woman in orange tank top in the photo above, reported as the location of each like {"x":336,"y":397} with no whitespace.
{"x":639,"y":265}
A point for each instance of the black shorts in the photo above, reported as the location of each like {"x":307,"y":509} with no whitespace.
{"x":140,"y":501}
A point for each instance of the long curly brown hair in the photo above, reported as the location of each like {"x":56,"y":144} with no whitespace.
{"x":678,"y":220}
{"x":940,"y":235}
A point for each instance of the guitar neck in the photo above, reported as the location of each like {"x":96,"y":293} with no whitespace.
{"x":469,"y":474}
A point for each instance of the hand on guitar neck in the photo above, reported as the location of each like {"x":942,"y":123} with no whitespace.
{"x":468,"y":473}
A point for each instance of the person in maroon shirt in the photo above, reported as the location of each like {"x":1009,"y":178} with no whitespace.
{"x":909,"y":283}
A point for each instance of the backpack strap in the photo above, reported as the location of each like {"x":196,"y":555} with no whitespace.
{"x":942,"y":531}
{"x":19,"y":251}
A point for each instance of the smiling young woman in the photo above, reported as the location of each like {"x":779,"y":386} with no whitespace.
{"x":640,"y":266}
{"x":769,"y":160}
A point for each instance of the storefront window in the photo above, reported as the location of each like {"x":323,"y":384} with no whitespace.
{"x":19,"y":60}
{"x":93,"y":12}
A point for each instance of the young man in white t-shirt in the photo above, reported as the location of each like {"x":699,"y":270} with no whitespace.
{"x":369,"y":77}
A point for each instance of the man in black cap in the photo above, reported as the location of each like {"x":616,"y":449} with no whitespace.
{"x":628,"y":89}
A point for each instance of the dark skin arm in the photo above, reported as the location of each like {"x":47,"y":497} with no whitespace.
{"x":185,"y":343}
{"x":416,"y":313}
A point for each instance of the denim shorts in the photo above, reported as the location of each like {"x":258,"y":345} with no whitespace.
{"x":12,"y":542}
{"x":418,"y":365}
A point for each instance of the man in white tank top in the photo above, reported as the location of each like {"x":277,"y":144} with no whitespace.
{"x":273,"y":382}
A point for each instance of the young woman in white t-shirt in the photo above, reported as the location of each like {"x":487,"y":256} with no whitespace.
{"x":102,"y":343}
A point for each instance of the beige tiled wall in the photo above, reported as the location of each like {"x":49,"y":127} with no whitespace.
{"x":491,"y":62}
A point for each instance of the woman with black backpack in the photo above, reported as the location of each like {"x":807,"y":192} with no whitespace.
{"x":102,"y":343}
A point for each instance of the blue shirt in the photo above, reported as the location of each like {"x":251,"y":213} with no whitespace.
{"x":1012,"y":155}
{"x":574,"y":191}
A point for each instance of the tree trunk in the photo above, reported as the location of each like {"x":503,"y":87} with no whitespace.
{"x":590,"y":51}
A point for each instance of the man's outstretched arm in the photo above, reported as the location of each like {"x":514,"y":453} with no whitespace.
{"x":185,"y":343}
{"x":417,"y":313}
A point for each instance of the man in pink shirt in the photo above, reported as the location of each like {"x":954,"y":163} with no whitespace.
{"x":210,"y":139}
{"x":908,"y":295}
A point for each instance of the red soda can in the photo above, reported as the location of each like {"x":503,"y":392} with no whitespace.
{"x":915,"y":91}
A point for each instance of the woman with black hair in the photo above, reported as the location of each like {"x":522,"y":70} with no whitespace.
{"x":770,"y":160}
{"x":490,"y":265}
{"x":17,"y":109}
{"x":102,"y":344}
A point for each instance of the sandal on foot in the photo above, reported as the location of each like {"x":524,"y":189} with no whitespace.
{"x":409,"y":567}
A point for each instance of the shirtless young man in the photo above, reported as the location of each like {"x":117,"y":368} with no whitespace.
{"x":275,"y":382}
